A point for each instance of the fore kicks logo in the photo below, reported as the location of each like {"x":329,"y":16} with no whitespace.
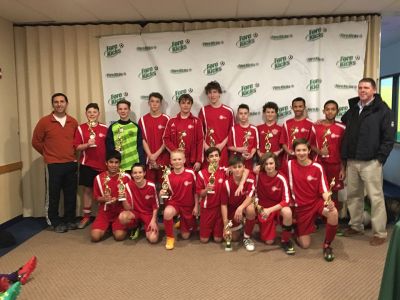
{"x":147,"y":73}
{"x":281,"y":62}
{"x":246,"y":40}
{"x":249,"y":89}
{"x":314,"y":85}
{"x":178,"y":46}
{"x":114,"y":98}
{"x":179,"y":93}
{"x":315,"y":34}
{"x":347,"y":61}
{"x":213,"y":68}
{"x":113,"y":50}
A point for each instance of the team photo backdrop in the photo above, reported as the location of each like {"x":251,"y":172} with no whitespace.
{"x":253,"y":65}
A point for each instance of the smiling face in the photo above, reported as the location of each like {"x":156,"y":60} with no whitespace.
{"x":177,"y":160}
{"x":59,"y":104}
{"x":270,"y":115}
{"x":366,"y":91}
{"x":92,"y":114}
{"x":301,"y":151}
{"x":123,"y":111}
{"x":138,"y":174}
{"x":269,"y":166}
{"x":113,"y":165}
{"x":330,"y":111}
{"x":298,"y":109}
{"x":213,"y":96}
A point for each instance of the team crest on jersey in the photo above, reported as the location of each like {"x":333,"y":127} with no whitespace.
{"x":334,"y":136}
{"x":221,"y":117}
{"x":274,"y":131}
{"x":190,"y":126}
{"x":102,"y":135}
{"x":220,"y":180}
{"x":161,"y":126}
{"x":147,"y":197}
{"x":274,"y":189}
{"x":186,"y":183}
{"x":304,"y":130}
{"x":310,"y":178}
{"x":173,"y":125}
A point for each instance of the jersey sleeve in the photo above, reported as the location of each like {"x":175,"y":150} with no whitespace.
{"x":78,"y":137}
{"x":200,"y":183}
{"x":97,"y":189}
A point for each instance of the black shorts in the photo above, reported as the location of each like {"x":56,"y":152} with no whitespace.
{"x":87,"y":175}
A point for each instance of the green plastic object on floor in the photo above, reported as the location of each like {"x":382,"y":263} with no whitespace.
{"x":12,"y":292}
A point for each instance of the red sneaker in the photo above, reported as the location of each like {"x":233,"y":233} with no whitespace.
{"x":25,"y":271}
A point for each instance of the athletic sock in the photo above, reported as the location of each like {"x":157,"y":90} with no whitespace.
{"x":248,"y":227}
{"x":330,"y":233}
{"x":87,"y":211}
{"x":286,"y":233}
{"x":169,"y":228}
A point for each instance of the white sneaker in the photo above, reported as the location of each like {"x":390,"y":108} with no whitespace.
{"x":248,"y":244}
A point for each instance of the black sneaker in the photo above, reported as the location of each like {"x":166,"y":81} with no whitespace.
{"x":328,"y":254}
{"x":60,"y":228}
{"x":288,"y":247}
{"x":72,"y":226}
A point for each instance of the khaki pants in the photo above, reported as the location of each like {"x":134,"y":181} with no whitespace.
{"x":368,"y":175}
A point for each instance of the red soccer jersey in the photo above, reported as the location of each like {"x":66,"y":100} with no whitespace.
{"x":220,"y":119}
{"x":228,"y":192}
{"x":334,"y":135}
{"x":273,"y":132}
{"x":143,"y":200}
{"x":153,"y":130}
{"x":307,"y":183}
{"x":93,"y":157}
{"x":99,"y":186}
{"x":237,"y":139}
{"x":182,"y":187}
{"x":203,"y":177}
{"x":293,"y":129}
{"x":193,"y":138}
{"x":273,"y":190}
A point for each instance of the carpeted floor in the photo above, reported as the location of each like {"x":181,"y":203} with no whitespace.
{"x":70,"y":267}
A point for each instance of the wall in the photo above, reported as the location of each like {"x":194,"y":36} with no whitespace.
{"x":10,"y":182}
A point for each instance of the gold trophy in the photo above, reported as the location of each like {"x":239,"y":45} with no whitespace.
{"x":92,"y":134}
{"x":121,"y":186}
{"x":210,"y":135}
{"x":107,"y":190}
{"x":182,"y":144}
{"x":164,"y":185}
{"x":228,"y":236}
{"x":212,"y":169}
{"x":247,"y":135}
{"x":293,"y":133}
{"x":331,"y":185}
{"x":267,"y":142}
{"x":259,"y":209}
{"x":118,"y":142}
{"x":325,"y":143}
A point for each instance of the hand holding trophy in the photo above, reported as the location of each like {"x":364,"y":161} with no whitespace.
{"x":228,"y":235}
{"x":259,"y":209}
{"x":121,"y":186}
{"x":211,"y":137}
{"x":164,"y":185}
{"x":119,"y":140}
{"x":92,"y":134}
{"x":268,"y":145}
{"x":107,"y":191}
{"x":325,"y":143}
{"x":328,"y":202}
{"x":182,"y":144}
{"x":212,"y":169}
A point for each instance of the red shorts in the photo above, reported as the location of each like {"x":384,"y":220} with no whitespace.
{"x":268,"y":226}
{"x":187,"y":219}
{"x":333,"y":170}
{"x":306,"y":216}
{"x":140,"y":218}
{"x":211,"y":222}
{"x":104,"y":219}
{"x":231,"y":216}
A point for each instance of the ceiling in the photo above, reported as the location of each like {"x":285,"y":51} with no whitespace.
{"x":97,"y":11}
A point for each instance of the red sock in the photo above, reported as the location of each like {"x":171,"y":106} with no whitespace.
{"x":87,"y":212}
{"x":169,"y":228}
{"x":248,"y":227}
{"x":286,"y":233}
{"x":330,"y":233}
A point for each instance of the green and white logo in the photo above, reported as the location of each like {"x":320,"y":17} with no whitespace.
{"x":180,"y":70}
{"x":212,"y":43}
{"x":144,"y":97}
{"x":113,"y":50}
{"x":314,"y":84}
{"x":146,"y":48}
{"x":315,"y":59}
{"x":179,"y":93}
{"x":248,"y":90}
{"x":115,"y":75}
{"x":247,"y":65}
{"x":213,"y":68}
{"x":315,"y":34}
{"x":281,"y":62}
{"x":114,"y":98}
{"x":179,"y":46}
{"x":347,"y":61}
{"x":312,"y":109}
{"x":284,"y":111}
{"x":345,"y":86}
{"x":342,"y":110}
{"x":282,"y":87}
{"x":281,"y":37}
{"x":350,"y":36}
{"x":148,"y":73}
{"x":246,"y":40}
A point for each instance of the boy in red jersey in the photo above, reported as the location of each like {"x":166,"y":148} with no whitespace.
{"x":90,"y":139}
{"x":274,"y":195}
{"x":184,"y":132}
{"x":243,"y":138}
{"x":217,"y":120}
{"x":310,"y":193}
{"x":106,"y":191}
{"x":329,"y":134}
{"x":295,"y":128}
{"x":235,"y":206}
{"x":181,"y":182}
{"x":142,"y":203}
{"x":269,"y":133}
{"x":153,"y":126}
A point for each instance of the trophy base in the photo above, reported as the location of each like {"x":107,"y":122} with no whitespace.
{"x":211,"y":192}
{"x":92,"y":146}
{"x":228,"y":248}
{"x":122,"y":199}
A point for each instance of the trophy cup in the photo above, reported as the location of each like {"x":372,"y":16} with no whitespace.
{"x":92,"y":134}
{"x":121,"y":186}
{"x":331,"y":185}
{"x":182,"y":144}
{"x":118,"y":142}
{"x":293,"y":133}
{"x":107,"y":190}
{"x":212,"y":169}
{"x":325,"y":143}
{"x":210,"y":135}
{"x":259,"y":208}
{"x":228,"y":236}
{"x":267,"y":142}
{"x":164,"y":185}
{"x":247,"y":135}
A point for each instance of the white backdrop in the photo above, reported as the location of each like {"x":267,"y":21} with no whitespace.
{"x":253,"y":65}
